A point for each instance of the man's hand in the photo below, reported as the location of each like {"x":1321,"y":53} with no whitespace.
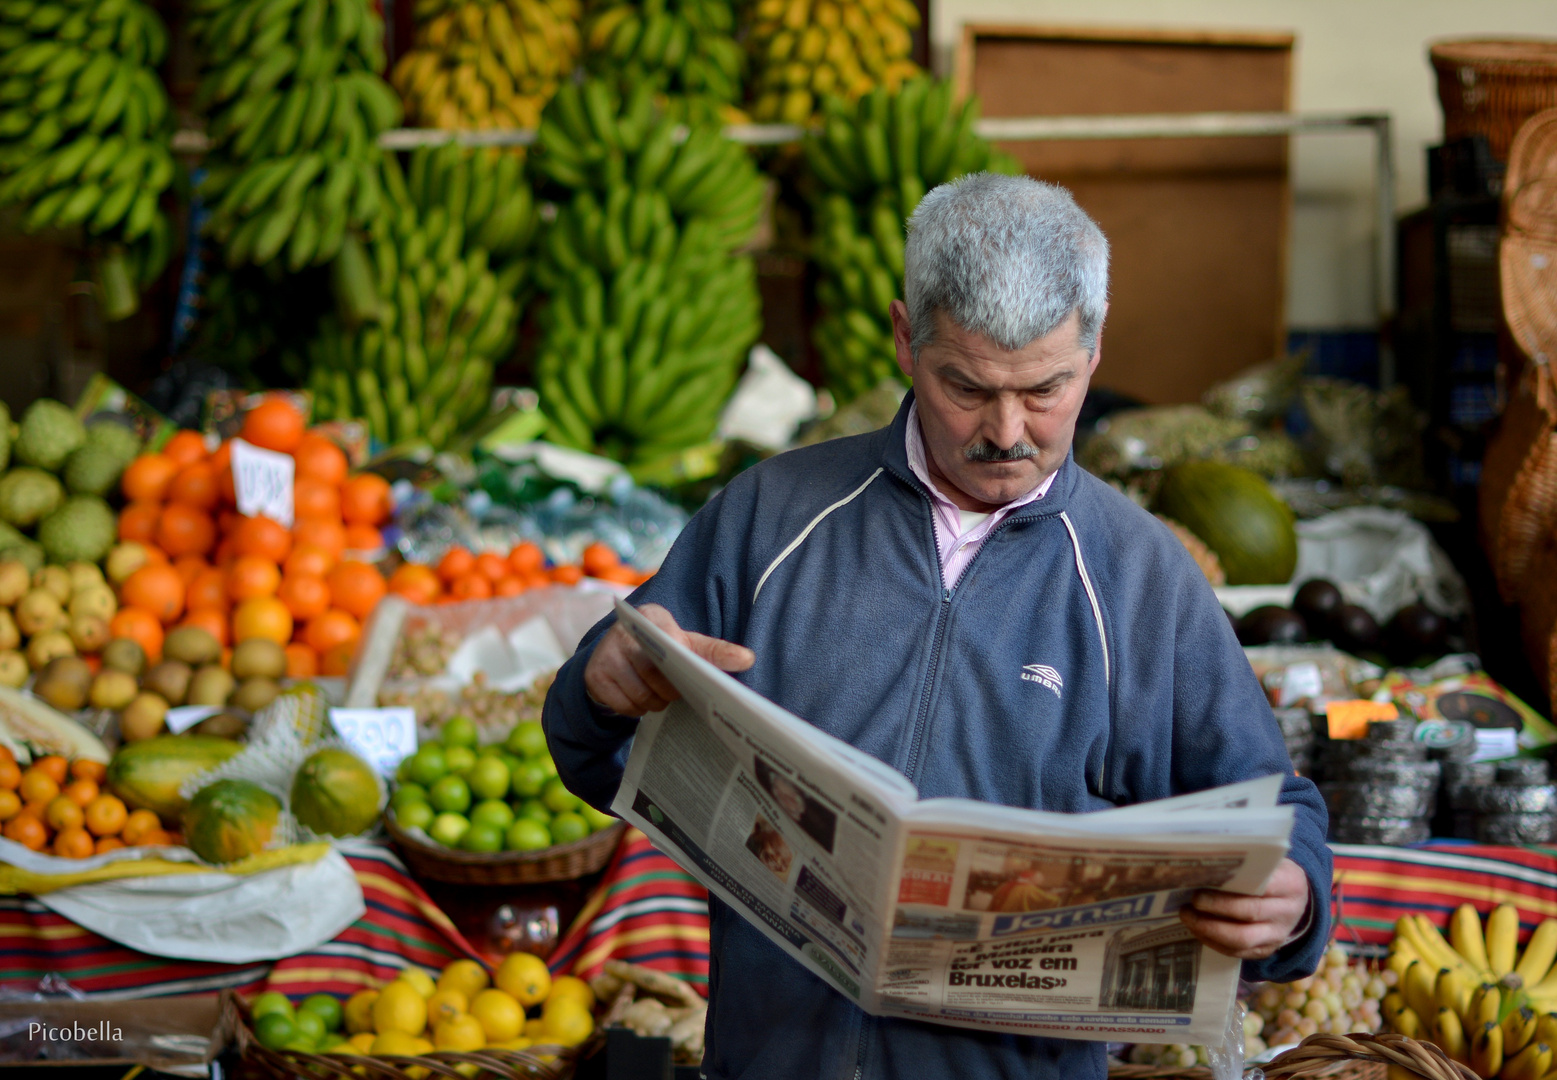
{"x":622,"y":677}
{"x":1250,"y":927}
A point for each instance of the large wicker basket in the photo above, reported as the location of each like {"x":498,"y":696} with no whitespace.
{"x":1492,"y":87}
{"x":1345,"y":1057}
{"x":564,"y":862}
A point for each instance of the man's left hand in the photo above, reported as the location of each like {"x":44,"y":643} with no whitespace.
{"x":1250,"y":927}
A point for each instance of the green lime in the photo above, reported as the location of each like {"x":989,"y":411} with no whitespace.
{"x":309,"y":1025}
{"x":448,"y":828}
{"x":407,"y":793}
{"x":595,"y":818}
{"x":274,"y":1030}
{"x":527,"y":835}
{"x":460,"y":759}
{"x":528,"y":780}
{"x":488,"y":778}
{"x":494,"y":812}
{"x":548,"y":766}
{"x":415,"y":815}
{"x":528,"y":739}
{"x":491,"y":749}
{"x":535,"y":810}
{"x":460,"y":731}
{"x":558,"y":799}
{"x":482,"y":837}
{"x":271,"y":1002}
{"x":403,"y":770}
{"x":300,"y":1046}
{"x":450,"y":795}
{"x":328,"y":1008}
{"x":428,"y":765}
{"x":513,"y":761}
{"x":331,"y":1041}
{"x":566,"y":828}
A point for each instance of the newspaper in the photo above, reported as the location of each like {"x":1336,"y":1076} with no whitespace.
{"x":946,"y":910}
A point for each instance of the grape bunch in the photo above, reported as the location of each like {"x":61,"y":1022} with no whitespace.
{"x":1343,"y":996}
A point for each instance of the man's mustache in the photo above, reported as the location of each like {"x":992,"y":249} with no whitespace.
{"x":988,"y":451}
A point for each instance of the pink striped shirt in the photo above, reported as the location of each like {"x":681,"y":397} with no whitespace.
{"x":958,"y":533}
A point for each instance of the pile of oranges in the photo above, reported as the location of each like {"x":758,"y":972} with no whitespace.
{"x":463,"y":575}
{"x":238,"y":577}
{"x":60,"y":808}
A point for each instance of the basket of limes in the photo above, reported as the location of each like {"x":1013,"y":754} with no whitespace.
{"x":494,"y":814}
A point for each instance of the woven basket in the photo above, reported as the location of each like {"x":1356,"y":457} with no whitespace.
{"x":1518,"y":489}
{"x":1492,"y":87}
{"x":1346,"y":1057}
{"x":490,"y":1064}
{"x":564,"y":862}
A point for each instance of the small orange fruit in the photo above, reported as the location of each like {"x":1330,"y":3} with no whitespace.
{"x":158,"y":837}
{"x":363,"y":538}
{"x":567,"y":575}
{"x":315,"y":499}
{"x":185,"y":448}
{"x":262,"y":617}
{"x":195,"y":486}
{"x":105,"y":844}
{"x":492,"y":567}
{"x":456,"y":563}
{"x":189,"y":567}
{"x":86,"y":769}
{"x":81,"y":792}
{"x":138,"y":824}
{"x":365,"y":499}
{"x":599,"y":557}
{"x":156,"y":588}
{"x":185,"y":530}
{"x":418,"y":584}
{"x":263,"y":537}
{"x":471,"y":586}
{"x":308,"y":559}
{"x":208,"y":590}
{"x":74,"y":842}
{"x":251,"y":576}
{"x":302,"y":661}
{"x":326,"y":533}
{"x":508,"y":586}
{"x":10,"y":775}
{"x":28,"y":831}
{"x":106,"y":815}
{"x":338,"y":660}
{"x":141,"y":627}
{"x":356,"y":587}
{"x":318,"y":458}
{"x":138,"y":521}
{"x":63,"y":813}
{"x":304,"y":595}
{"x":333,"y":628}
{"x":147,"y":478}
{"x":526,"y":558}
{"x":10,"y":805}
{"x":213,"y":620}
{"x":54,"y":766}
{"x":275,"y":424}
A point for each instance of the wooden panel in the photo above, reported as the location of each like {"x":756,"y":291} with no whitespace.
{"x":1197,"y":226}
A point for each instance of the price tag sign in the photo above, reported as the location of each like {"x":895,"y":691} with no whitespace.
{"x":381,"y":737}
{"x":1495,"y":744}
{"x":183,"y":717}
{"x":1350,"y":719}
{"x":262,"y":480}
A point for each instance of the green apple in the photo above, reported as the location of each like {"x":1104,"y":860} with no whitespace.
{"x":566,"y":828}
{"x":527,"y":835}
{"x":556,"y":796}
{"x":528,"y":739}
{"x":450,"y":795}
{"x":460,"y":731}
{"x":447,"y":829}
{"x":494,"y":812}
{"x":488,"y":778}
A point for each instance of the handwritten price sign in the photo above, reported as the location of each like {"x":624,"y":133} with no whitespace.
{"x":381,"y":737}
{"x":262,"y":480}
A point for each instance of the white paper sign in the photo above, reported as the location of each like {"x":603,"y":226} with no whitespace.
{"x":382,"y":737}
{"x":183,"y":717}
{"x":1494,"y":744}
{"x":1300,"y":681}
{"x":263,"y":482}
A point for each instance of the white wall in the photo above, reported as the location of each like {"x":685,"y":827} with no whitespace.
{"x":1352,"y":56}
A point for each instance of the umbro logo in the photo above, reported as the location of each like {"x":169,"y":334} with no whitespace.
{"x":1044,"y":675}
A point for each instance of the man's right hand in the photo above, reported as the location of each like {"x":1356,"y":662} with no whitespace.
{"x":622,"y":677}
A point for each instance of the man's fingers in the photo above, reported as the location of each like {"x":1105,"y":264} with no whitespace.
{"x":724,"y":655}
{"x":1228,"y":905}
{"x":1243,"y":940}
{"x":635,"y":693}
{"x":653,"y":677}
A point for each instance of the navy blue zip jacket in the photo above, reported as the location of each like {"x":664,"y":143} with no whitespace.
{"x":823,"y":561}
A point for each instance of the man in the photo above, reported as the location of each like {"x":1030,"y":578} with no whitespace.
{"x":954,"y":596}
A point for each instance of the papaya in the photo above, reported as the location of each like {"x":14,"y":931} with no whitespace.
{"x":1237,"y":515}
{"x":230,"y":820}
{"x":335,"y":793}
{"x":147,"y":774}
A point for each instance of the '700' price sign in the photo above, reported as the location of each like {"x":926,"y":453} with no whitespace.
{"x":262,"y":480}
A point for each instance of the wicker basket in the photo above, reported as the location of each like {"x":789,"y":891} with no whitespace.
{"x":1518,"y":490}
{"x":1345,"y":1057}
{"x":490,"y":1064}
{"x":1492,"y":87}
{"x":564,"y":862}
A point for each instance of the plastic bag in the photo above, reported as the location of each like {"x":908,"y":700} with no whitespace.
{"x":1382,"y":560}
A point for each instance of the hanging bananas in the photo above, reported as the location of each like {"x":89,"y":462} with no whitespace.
{"x":651,"y":314}
{"x":84,"y":133}
{"x":682,"y":48}
{"x":483,"y":189}
{"x":804,"y":50}
{"x":870,"y":164}
{"x":486,"y":63}
{"x":295,"y":106}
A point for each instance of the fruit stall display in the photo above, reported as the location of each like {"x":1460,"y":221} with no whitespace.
{"x":684,"y":49}
{"x":802,"y":51}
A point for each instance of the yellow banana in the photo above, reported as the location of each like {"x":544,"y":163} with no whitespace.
{"x":1452,"y":990}
{"x":1546,"y":1029}
{"x":1486,"y":1050}
{"x":1485,"y":1004}
{"x":1417,"y":986}
{"x":1392,"y":1006}
{"x":1502,"y":939}
{"x":1465,"y":936}
{"x":1530,"y":1063}
{"x":1431,"y":944}
{"x":1518,"y":1029}
{"x":1408,"y":1023}
{"x":1539,"y":953}
{"x":1449,"y":1034}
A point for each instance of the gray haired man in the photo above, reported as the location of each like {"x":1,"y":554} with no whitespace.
{"x":896,"y":589}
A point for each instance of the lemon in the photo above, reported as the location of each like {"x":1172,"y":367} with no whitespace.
{"x":464,"y":1032}
{"x":466,"y":976}
{"x":347,"y":1047}
{"x":501,"y":1016}
{"x":358,"y":1012}
{"x":420,"y":979}
{"x":535,"y":1030}
{"x":400,"y":1008}
{"x":520,"y":1043}
{"x":569,"y":988}
{"x":567,"y":1022}
{"x":468,"y":1070}
{"x":446,"y":1005}
{"x":524,"y":976}
{"x":396,"y":1042}
{"x":363,"y":1040}
{"x":423,"y":1046}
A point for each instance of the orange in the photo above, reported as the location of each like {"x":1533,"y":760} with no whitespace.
{"x":105,"y":844}
{"x":10,"y":805}
{"x":537,"y":580}
{"x":28,"y":831}
{"x":147,"y":477}
{"x":567,"y":575}
{"x":10,"y":776}
{"x":221,"y":464}
{"x":250,"y":576}
{"x":138,"y":824}
{"x":598,"y":557}
{"x":141,"y":627}
{"x":74,"y":843}
{"x":302,"y":661}
{"x":356,"y":587}
{"x":325,"y":533}
{"x":315,"y":498}
{"x":526,"y":558}
{"x":338,"y":660}
{"x":332,"y":628}
{"x":54,"y":766}
{"x":227,"y":522}
{"x":492,"y":567}
{"x":185,"y":448}
{"x":138,"y":521}
{"x":5,"y":754}
{"x":365,"y":499}
{"x":262,"y":617}
{"x":471,"y":587}
{"x":274,"y":424}
{"x":621,"y":575}
{"x":81,"y":792}
{"x":84,"y":769}
{"x":213,"y":620}
{"x":156,"y":588}
{"x":208,"y":590}
{"x":320,"y":459}
{"x":36,"y":809}
{"x":305,"y":595}
{"x":158,"y":837}
{"x":63,"y":813}
{"x":263,"y":537}
{"x":106,"y":815}
{"x":195,"y":486}
{"x":189,"y":567}
{"x":456,"y":563}
{"x":417,"y":583}
{"x":309,"y":559}
{"x":185,"y":530}
{"x":363,"y":538}
{"x":508,"y":586}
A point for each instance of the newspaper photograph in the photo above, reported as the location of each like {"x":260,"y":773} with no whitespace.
{"x":947,"y":910}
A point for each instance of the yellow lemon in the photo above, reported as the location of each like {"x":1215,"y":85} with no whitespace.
{"x":468,"y":1070}
{"x":466,"y":976}
{"x":400,"y":1008}
{"x":568,"y":988}
{"x":524,"y":976}
{"x":363,"y":1040}
{"x":420,"y":979}
{"x":359,"y":1011}
{"x":520,"y":1043}
{"x":446,"y":1005}
{"x":344,"y":1048}
{"x":501,"y":1017}
{"x":535,"y":1030}
{"x":464,"y":1033}
{"x":567,"y":1022}
{"x":423,"y":1046}
{"x":395,"y":1042}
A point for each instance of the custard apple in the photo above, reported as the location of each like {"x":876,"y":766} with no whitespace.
{"x":27,"y":496}
{"x":80,"y":531}
{"x":115,"y":438}
{"x":5,"y":436}
{"x":92,"y":470}
{"x":48,"y":434}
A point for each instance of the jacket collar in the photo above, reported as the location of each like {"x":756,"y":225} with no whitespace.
{"x":895,"y":458}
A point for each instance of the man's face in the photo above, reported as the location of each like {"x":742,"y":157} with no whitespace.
{"x":996,"y":423}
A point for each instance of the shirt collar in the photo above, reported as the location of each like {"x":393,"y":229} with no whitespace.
{"x":914,"y":445}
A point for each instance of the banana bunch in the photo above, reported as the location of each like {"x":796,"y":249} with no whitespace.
{"x":421,"y":371}
{"x":1488,"y":1006}
{"x":651,"y":312}
{"x":483,"y":189}
{"x":84,"y":132}
{"x":487,"y":63}
{"x":804,"y":50}
{"x":870,"y":164}
{"x":295,"y":106}
{"x":683,"y":48}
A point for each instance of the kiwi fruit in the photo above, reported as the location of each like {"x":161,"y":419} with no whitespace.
{"x":254,"y":694}
{"x":258,"y":658}
{"x":49,"y":646}
{"x":169,"y":680}
{"x":64,"y":683}
{"x":112,"y":689}
{"x":89,"y":632}
{"x":192,"y":645}
{"x":223,"y":725}
{"x":13,"y":669}
{"x":39,"y":612}
{"x":143,"y":717}
{"x":211,"y":685}
{"x":94,"y":600}
{"x":124,"y":654}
